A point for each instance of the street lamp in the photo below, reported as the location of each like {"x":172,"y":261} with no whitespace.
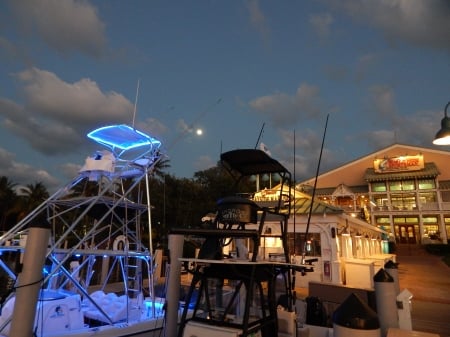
{"x":443,"y":135}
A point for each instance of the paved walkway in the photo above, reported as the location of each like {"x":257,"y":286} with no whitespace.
{"x":428,"y":279}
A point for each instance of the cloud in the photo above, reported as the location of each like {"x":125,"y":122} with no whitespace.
{"x":285,"y":110}
{"x":307,"y":150}
{"x":81,"y":102}
{"x":204,"y":163}
{"x":382,"y":98}
{"x":417,"y":22}
{"x":258,"y":20}
{"x":418,"y":129}
{"x":364,"y":64}
{"x":184,"y":127}
{"x":24,"y":173}
{"x":56,"y":115}
{"x":70,"y":170}
{"x":413,"y":128}
{"x":321,"y":24}
{"x":379,"y":139}
{"x":381,"y":125}
{"x":153,"y":127}
{"x":66,"y":26}
{"x":12,"y":51}
{"x":335,"y":72}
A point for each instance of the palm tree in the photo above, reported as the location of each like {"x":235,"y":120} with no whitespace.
{"x":32,"y":196}
{"x":160,"y":166}
{"x":7,"y":201}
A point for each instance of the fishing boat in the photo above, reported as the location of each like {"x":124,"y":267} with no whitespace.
{"x":234,"y":290}
{"x":77,"y":264}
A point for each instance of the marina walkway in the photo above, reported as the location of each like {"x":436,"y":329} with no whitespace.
{"x":427,"y":277}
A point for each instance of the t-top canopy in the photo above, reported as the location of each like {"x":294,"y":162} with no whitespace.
{"x":122,"y":137}
{"x":252,"y":161}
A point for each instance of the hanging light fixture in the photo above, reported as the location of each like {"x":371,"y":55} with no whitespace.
{"x":443,"y":135}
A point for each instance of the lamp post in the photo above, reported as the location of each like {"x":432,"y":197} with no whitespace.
{"x":443,"y":138}
{"x":443,"y":135}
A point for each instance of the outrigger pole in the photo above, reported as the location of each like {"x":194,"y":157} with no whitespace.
{"x":294,"y":295}
{"x":314,"y":192}
{"x":259,"y":136}
{"x":135,"y":103}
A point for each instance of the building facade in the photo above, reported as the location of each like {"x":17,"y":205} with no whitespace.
{"x":402,"y":189}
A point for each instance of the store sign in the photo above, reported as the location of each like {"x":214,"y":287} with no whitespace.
{"x":398,"y":164}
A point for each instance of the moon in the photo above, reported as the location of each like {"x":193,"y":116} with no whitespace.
{"x":199,"y":132}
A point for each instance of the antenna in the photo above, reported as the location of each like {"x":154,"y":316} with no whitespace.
{"x":135,"y":103}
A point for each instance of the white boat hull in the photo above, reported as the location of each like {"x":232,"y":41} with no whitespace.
{"x":66,"y":315}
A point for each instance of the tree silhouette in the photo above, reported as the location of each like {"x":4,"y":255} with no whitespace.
{"x":176,"y":202}
{"x":31,"y":196}
{"x":7,"y":202}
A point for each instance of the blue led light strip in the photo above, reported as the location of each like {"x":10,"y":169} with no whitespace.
{"x":122,"y":137}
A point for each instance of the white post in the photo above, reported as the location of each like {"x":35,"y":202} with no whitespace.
{"x":29,"y":281}
{"x":404,"y":310}
{"x":386,"y":301}
{"x":173,"y":286}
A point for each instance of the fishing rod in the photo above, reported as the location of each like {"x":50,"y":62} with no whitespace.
{"x":135,"y":103}
{"x":294,"y":293}
{"x":314,"y":192}
{"x":260,"y":135}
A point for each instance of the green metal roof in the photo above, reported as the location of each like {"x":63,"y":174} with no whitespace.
{"x":302,"y":205}
{"x":429,"y":171}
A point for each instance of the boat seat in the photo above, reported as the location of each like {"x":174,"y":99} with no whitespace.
{"x":114,"y":306}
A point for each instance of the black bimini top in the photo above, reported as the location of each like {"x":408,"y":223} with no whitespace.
{"x":251,"y":161}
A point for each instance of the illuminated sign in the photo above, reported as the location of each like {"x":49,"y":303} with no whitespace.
{"x":398,"y":164}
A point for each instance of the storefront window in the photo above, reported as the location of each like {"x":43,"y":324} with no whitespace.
{"x":381,"y":201}
{"x":426,"y":184}
{"x":408,"y":220}
{"x":404,"y":185}
{"x":382,"y":220}
{"x":426,"y":198}
{"x":384,"y":223}
{"x":379,"y":186}
{"x":395,"y":185}
{"x":399,"y":220}
{"x":404,"y":201}
{"x":431,"y":228}
{"x":408,"y":185}
{"x":429,"y":219}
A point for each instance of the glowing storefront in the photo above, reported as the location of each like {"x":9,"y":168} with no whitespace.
{"x":402,"y":189}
